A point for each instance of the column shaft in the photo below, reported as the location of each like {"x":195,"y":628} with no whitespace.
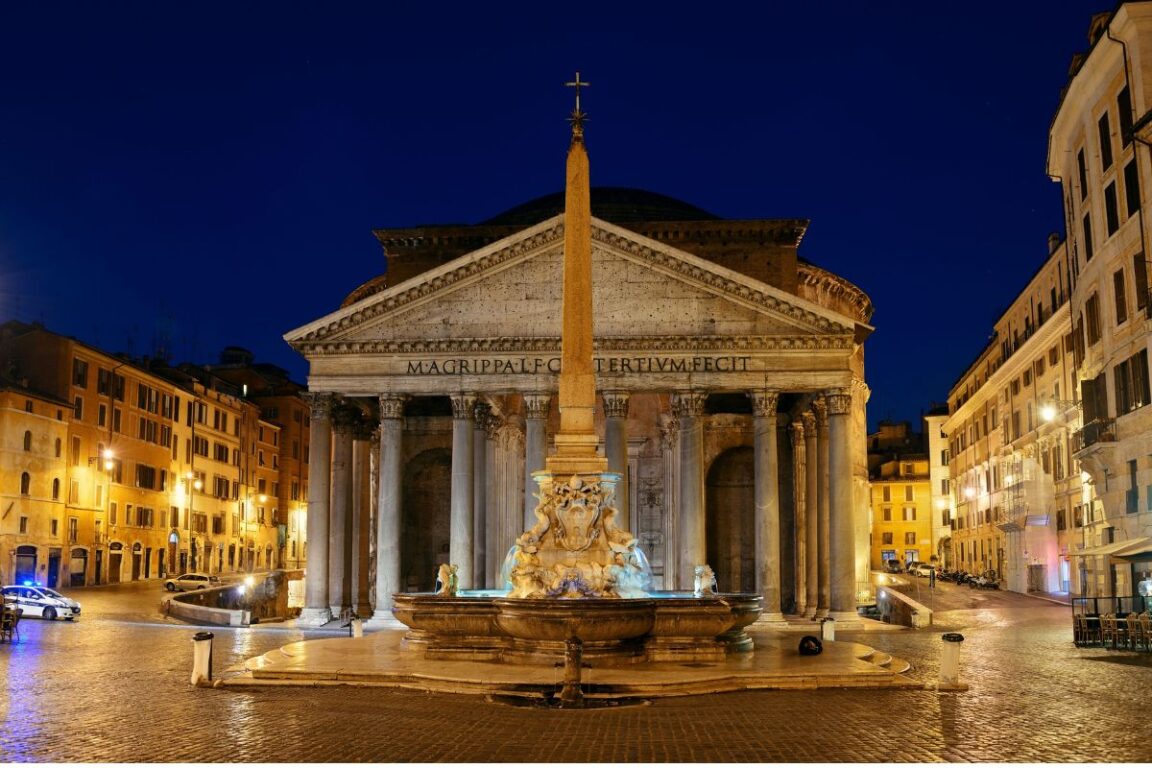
{"x":841,"y":538}
{"x":689,"y":407}
{"x":767,"y":490}
{"x":535,"y":450}
{"x":480,"y":414}
{"x":811,"y":516}
{"x":460,"y":546}
{"x":340,"y":530}
{"x":319,"y":484}
{"x":616,"y":451}
{"x":388,"y":506}
{"x":823,"y":599}
{"x":801,"y":519}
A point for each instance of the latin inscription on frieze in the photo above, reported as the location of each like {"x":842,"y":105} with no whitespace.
{"x":551,"y":365}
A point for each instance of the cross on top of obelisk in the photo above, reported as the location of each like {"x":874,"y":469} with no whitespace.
{"x":577,"y":118}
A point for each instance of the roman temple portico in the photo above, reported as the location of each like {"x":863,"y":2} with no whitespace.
{"x":733,"y":405}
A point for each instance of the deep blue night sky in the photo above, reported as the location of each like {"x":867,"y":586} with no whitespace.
{"x":210,"y":173}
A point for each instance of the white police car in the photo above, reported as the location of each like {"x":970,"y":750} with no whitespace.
{"x":40,"y":601}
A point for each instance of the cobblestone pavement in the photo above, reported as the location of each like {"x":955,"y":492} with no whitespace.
{"x":114,"y":687}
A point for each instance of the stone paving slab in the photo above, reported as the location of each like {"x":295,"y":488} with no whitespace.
{"x":380,"y":659}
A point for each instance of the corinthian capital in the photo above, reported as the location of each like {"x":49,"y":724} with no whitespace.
{"x":463,"y":407}
{"x":392,"y":406}
{"x":764,"y":402}
{"x":839,"y":401}
{"x":536,"y":405}
{"x":688,"y":404}
{"x":615,"y":404}
{"x":319,"y":405}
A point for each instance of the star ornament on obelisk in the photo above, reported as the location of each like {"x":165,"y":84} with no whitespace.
{"x":576,"y":442}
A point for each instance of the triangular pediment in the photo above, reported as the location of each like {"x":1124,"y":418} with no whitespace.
{"x":507,"y":296}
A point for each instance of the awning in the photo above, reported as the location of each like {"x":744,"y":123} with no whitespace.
{"x":1129,"y":547}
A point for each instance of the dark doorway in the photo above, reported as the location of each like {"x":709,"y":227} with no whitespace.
{"x":730,"y":530}
{"x":25,"y":565}
{"x":55,"y":555}
{"x":78,"y":567}
{"x":427,"y":498}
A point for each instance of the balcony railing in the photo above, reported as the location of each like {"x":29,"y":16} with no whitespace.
{"x":1098,"y":431}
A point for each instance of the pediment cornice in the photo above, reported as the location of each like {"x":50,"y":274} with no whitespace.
{"x":328,"y":334}
{"x":551,"y":345}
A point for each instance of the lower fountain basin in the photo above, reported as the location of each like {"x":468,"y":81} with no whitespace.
{"x":662,"y":627}
{"x":590,"y":619}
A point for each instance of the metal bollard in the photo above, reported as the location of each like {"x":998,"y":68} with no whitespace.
{"x":201,"y":657}
{"x":828,"y":628}
{"x":950,"y":660}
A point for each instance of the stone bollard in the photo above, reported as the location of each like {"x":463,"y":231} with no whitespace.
{"x":950,"y":661}
{"x":357,"y":627}
{"x":201,"y":657}
{"x":828,"y":628}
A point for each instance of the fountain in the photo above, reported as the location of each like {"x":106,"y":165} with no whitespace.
{"x":576,"y":575}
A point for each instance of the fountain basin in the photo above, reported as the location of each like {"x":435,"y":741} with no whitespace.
{"x":663,"y":627}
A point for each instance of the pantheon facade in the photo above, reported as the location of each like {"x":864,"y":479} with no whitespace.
{"x":731,"y":398}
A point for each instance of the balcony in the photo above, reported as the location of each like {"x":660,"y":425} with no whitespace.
{"x":1098,"y":431}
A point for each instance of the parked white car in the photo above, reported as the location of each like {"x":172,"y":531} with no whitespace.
{"x":922,"y":569}
{"x":190,"y":581}
{"x":44,"y":602}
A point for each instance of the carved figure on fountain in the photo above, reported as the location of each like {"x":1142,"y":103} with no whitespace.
{"x":446,"y":580}
{"x":576,"y":549}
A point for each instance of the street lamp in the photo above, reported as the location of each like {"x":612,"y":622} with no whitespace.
{"x":1050,"y":409}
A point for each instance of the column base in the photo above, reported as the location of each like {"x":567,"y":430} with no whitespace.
{"x":821,"y":613}
{"x":772,"y":619}
{"x":385,"y":620}
{"x":315,"y":617}
{"x":846,"y":620}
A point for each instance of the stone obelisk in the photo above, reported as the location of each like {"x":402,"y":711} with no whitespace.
{"x":576,"y":441}
{"x":575,"y":549}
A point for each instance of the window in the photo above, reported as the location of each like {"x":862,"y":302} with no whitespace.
{"x":1132,"y":187}
{"x":78,"y":408}
{"x":1140,"y":277}
{"x":55,"y":489}
{"x":1082,"y":167}
{"x":145,"y":476}
{"x":1105,"y":129}
{"x":887,"y":491}
{"x":1118,"y":293}
{"x":23,"y":524}
{"x":909,"y":514}
{"x":25,"y":483}
{"x":1111,"y":209}
{"x":1124,"y":113}
{"x":1089,"y":252}
{"x":1092,"y":319}
{"x":908,"y":494}
{"x":887,"y":514}
{"x":217,"y":524}
{"x":27,"y":440}
{"x":73,"y":529}
{"x":910,"y":538}
{"x":886,"y":537}
{"x":58,"y":446}
{"x":80,"y":372}
{"x":1130,"y":379}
